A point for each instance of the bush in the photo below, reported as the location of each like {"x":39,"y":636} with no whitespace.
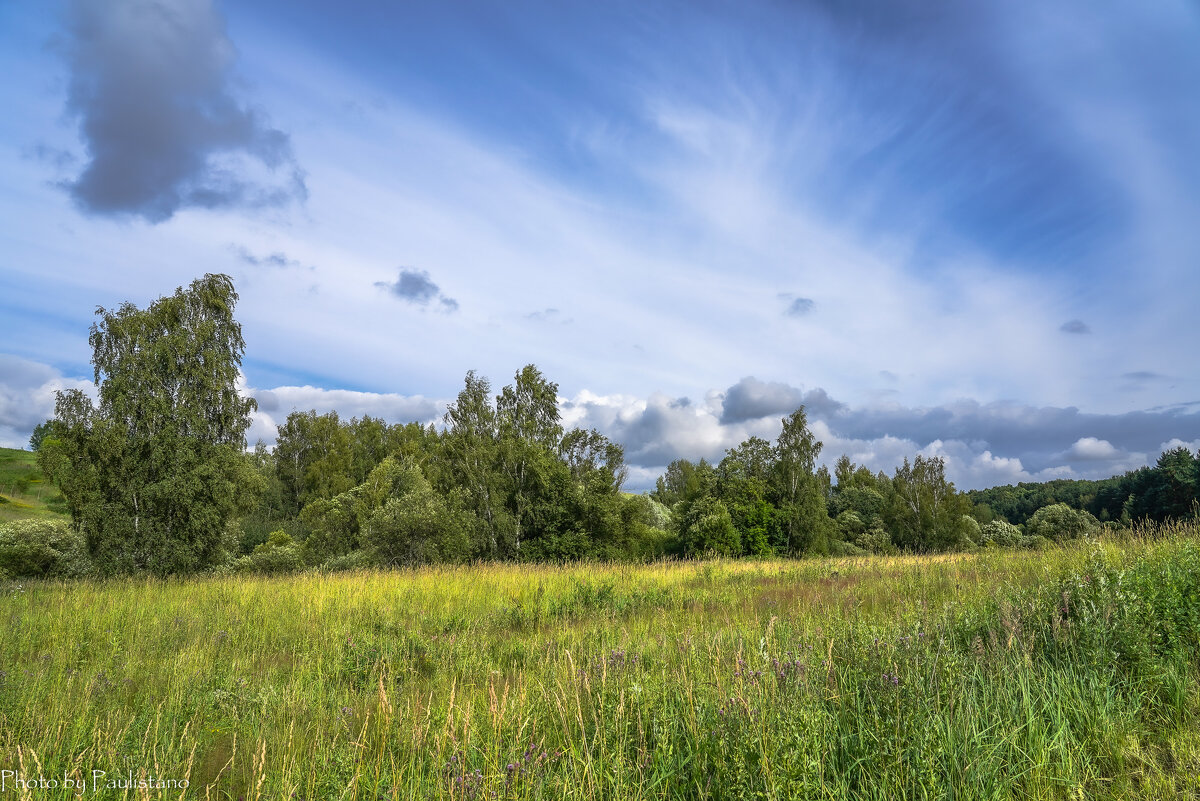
{"x":1060,"y":522}
{"x":355,"y":560}
{"x":999,"y":533}
{"x":279,"y":554}
{"x":43,"y":549}
{"x":878,"y":540}
{"x":708,"y":528}
{"x":419,"y":527}
{"x":972,"y":530}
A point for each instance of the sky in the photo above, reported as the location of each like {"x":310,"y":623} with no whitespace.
{"x":965,"y":230}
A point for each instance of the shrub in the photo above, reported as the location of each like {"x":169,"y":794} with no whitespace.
{"x":355,"y":560}
{"x":971,"y":529}
{"x":708,"y":528}
{"x":1060,"y":522}
{"x":42,"y":549}
{"x":877,"y":539}
{"x":999,"y":533}
{"x":279,"y":554}
{"x":419,"y":527}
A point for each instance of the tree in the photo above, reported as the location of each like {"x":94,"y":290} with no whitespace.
{"x":40,"y":432}
{"x":801,"y":498}
{"x":153,"y":474}
{"x":416,"y":525}
{"x":314,"y":455}
{"x":708,"y":528}
{"x":1060,"y":522}
{"x":527,"y":413}
{"x":926,"y":512}
{"x":471,"y":448}
{"x":742,"y":484}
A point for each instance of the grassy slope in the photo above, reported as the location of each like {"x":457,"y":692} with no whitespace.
{"x":998,"y":675}
{"x":37,"y":498}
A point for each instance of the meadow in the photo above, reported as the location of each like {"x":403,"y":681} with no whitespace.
{"x":24,"y":491}
{"x":1065,"y":673}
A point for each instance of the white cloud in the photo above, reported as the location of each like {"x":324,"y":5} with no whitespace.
{"x":274,"y":405}
{"x":27,"y":397}
{"x":1090,"y":449}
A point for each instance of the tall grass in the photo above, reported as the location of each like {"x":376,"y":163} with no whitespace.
{"x":1063,"y":674}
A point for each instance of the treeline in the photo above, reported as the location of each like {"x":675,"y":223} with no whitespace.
{"x":501,"y":480}
{"x":1170,"y":490}
{"x":158,"y":480}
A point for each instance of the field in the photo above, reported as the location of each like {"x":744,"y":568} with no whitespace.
{"x":24,"y":491}
{"x":1058,"y":674}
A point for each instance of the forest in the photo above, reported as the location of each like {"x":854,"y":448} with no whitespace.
{"x":158,"y":479}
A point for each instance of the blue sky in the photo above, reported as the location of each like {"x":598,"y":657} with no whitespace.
{"x":962,"y":229}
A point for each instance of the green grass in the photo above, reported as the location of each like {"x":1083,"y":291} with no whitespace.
{"x":24,"y":491}
{"x":1002,"y":675}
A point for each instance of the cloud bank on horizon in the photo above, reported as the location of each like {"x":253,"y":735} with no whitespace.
{"x":983,"y":444}
{"x":967,"y":231}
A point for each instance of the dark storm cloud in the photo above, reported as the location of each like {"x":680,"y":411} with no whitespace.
{"x":416,"y":287}
{"x":150,"y":85}
{"x":1075,"y":327}
{"x":750,"y":399}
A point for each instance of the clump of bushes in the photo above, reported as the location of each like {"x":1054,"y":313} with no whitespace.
{"x":999,"y":533}
{"x":279,"y":554}
{"x":33,"y":548}
{"x":1060,"y":522}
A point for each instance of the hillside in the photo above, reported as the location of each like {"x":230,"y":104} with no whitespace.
{"x":24,"y":491}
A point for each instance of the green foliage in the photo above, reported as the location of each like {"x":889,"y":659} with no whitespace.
{"x":34,"y":548}
{"x":1166,"y":491}
{"x":877,"y":540}
{"x":971,"y":530}
{"x":279,"y":554}
{"x":40,"y":432}
{"x":999,"y":533}
{"x":418,"y":526}
{"x":800,"y":496}
{"x":152,"y":475}
{"x":707,"y":528}
{"x":1060,"y":522}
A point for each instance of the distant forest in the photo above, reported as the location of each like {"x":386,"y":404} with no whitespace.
{"x":158,"y":479}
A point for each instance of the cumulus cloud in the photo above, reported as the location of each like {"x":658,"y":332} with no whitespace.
{"x":1075,"y":327}
{"x":151,"y":85}
{"x":983,"y":444}
{"x":1090,"y":449}
{"x":417,"y":288}
{"x":750,"y":399}
{"x":27,"y":397}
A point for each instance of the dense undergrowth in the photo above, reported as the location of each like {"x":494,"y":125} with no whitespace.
{"x":1068,"y":673}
